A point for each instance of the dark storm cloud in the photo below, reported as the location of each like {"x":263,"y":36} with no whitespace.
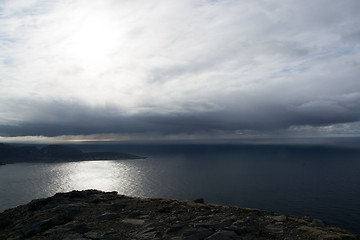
{"x":72,"y":119}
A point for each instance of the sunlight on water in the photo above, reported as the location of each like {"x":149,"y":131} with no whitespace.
{"x":97,"y":175}
{"x":101,"y":175}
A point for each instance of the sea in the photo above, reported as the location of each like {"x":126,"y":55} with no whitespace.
{"x":307,"y":179}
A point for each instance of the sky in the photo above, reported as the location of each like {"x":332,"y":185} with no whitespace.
{"x":133,"y":70}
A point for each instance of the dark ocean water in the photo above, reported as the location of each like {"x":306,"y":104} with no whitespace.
{"x":301,"y":180}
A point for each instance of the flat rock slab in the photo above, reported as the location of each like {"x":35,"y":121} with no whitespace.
{"x":108,"y":216}
{"x":133,"y":221}
{"x":224,"y":235}
{"x":280,"y":218}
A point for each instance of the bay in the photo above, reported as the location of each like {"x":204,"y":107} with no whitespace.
{"x":316,"y":181}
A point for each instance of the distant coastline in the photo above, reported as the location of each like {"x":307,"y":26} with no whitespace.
{"x":55,"y":153}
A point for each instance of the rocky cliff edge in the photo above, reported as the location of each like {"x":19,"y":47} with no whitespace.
{"x":96,"y":215}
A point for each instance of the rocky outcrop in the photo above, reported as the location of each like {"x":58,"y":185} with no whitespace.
{"x":55,"y":153}
{"x":96,"y":215}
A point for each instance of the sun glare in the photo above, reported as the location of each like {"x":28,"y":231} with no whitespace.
{"x":93,"y":42}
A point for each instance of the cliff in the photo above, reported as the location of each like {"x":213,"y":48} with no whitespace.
{"x":55,"y":153}
{"x":93,"y":214}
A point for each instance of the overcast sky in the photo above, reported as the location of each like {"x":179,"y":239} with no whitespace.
{"x":190,"y":69}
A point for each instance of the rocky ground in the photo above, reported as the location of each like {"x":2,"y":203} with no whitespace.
{"x":91,"y":214}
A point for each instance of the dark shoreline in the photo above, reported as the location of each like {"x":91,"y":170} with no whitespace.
{"x":55,"y":153}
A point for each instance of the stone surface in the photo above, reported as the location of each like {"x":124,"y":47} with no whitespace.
{"x":95,"y":215}
{"x":317,"y":223}
{"x":196,"y":233}
{"x":75,"y":226}
{"x":108,"y":216}
{"x":133,"y":221}
{"x":280,"y":218}
{"x":199,"y":200}
{"x":41,"y":226}
{"x":134,"y":214}
{"x":112,"y":236}
{"x":224,"y":235}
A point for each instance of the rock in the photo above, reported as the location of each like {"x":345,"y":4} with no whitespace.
{"x":175,"y":228}
{"x":92,"y":235}
{"x":206,"y":224}
{"x":133,"y":221}
{"x":73,"y":237}
{"x":252,"y":236}
{"x":117,"y":207}
{"x":112,"y":236}
{"x":75,"y":226}
{"x":41,"y":226}
{"x":147,"y":233}
{"x":317,"y":223}
{"x":274,"y":229}
{"x":153,"y":224}
{"x":69,"y":210}
{"x":225,"y":223}
{"x":199,"y":200}
{"x":95,"y":198}
{"x":280,"y":218}
{"x":201,"y":218}
{"x":38,"y":204}
{"x":113,"y":193}
{"x":247,"y":226}
{"x":164,"y":209}
{"x":216,"y":223}
{"x":32,"y":230}
{"x":196,"y":233}
{"x":238,"y":229}
{"x":108,"y":216}
{"x":70,"y":216}
{"x":133,"y":214}
{"x":78,"y":194}
{"x":224,"y":235}
{"x":150,"y":229}
{"x":4,"y":222}
{"x":173,"y":218}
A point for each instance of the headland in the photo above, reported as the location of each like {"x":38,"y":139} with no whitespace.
{"x":96,"y":215}
{"x":55,"y":153}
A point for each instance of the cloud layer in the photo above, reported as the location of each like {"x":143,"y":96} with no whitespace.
{"x":178,"y":67}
